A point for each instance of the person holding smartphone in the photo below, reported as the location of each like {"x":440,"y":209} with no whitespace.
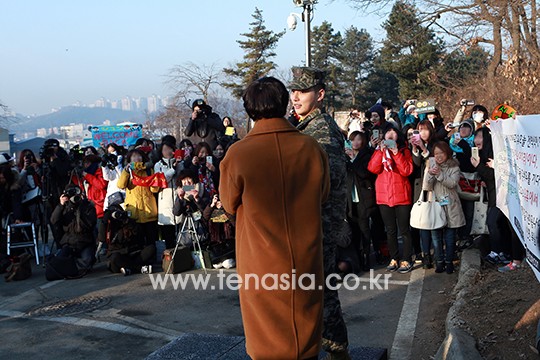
{"x":442,"y":178}
{"x":392,"y":163}
{"x":191,"y":195}
{"x":202,"y":163}
{"x":422,"y":141}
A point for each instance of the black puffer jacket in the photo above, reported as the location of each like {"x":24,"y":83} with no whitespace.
{"x":207,"y":128}
{"x":77,"y":222}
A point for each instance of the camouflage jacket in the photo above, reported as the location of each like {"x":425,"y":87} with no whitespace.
{"x":323,"y":128}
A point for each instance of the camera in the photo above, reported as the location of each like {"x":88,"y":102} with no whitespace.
{"x":46,"y":152}
{"x":466,"y":102}
{"x":120,"y":215}
{"x":110,"y":161}
{"x":74,"y":194}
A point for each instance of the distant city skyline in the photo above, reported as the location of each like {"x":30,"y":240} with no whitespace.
{"x":59,"y":52}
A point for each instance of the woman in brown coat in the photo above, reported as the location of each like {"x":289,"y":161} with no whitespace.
{"x":274,"y":181}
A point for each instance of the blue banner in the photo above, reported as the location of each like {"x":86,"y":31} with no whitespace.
{"x":124,"y":135}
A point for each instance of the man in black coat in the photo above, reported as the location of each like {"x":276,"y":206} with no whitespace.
{"x":204,"y":124}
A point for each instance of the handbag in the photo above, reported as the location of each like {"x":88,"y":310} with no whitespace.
{"x":469,"y":186}
{"x":116,"y":198}
{"x":427,"y":214}
{"x":479,"y":222}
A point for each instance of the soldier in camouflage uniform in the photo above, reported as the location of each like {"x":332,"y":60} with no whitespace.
{"x":307,"y":93}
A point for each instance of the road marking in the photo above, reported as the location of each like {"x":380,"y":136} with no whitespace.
{"x":381,"y":281}
{"x":403,"y":340}
{"x":119,"y":328}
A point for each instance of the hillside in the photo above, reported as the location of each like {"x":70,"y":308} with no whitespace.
{"x":73,"y":115}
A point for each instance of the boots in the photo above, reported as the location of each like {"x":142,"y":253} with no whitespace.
{"x":440,"y":267}
{"x":427,"y":261}
{"x":364,"y":260}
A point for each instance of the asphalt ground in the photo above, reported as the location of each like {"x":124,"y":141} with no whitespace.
{"x":109,"y":316}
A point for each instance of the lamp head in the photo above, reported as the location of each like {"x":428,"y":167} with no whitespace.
{"x":291,"y":22}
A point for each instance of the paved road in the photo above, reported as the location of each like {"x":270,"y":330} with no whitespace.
{"x":109,"y":316}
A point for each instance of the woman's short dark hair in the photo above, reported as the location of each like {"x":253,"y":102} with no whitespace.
{"x":363,"y":135}
{"x":266,"y":98}
{"x":444,"y":147}
{"x":187,"y":173}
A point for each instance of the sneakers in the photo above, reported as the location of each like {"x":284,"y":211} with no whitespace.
{"x":494,"y":259}
{"x":393,"y":266}
{"x":147,"y":269}
{"x":450,"y":268}
{"x":465,"y":243}
{"x":510,"y":267}
{"x":427,"y":262}
{"x":405,"y":267}
{"x":418,"y":259}
{"x":125,"y":271}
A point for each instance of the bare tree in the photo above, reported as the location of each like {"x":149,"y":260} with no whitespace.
{"x":192,"y":80}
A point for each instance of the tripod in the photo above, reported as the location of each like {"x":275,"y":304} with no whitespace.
{"x":189,"y":228}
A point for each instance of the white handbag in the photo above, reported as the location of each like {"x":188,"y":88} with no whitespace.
{"x":426,"y":213}
{"x":479,"y":222}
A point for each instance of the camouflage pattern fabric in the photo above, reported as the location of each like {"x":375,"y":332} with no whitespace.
{"x":324,"y":129}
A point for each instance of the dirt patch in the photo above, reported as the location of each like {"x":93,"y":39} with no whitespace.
{"x":502,"y":313}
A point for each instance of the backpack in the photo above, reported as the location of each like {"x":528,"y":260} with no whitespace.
{"x":61,"y":267}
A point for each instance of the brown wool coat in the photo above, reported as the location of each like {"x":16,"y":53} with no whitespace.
{"x":275,"y":181}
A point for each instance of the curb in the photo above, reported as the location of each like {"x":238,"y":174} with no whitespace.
{"x":459,"y":344}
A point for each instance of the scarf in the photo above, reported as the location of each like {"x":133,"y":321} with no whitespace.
{"x":205,"y":178}
{"x":456,"y":148}
{"x":387,"y":160}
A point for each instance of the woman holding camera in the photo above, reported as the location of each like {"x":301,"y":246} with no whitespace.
{"x":111,"y":167}
{"x":30,"y":183}
{"x":140,"y":202}
{"x":392,"y":163}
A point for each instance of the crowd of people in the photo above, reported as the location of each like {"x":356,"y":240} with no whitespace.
{"x":395,"y":158}
{"x":119,"y":202}
{"x":357,"y":186}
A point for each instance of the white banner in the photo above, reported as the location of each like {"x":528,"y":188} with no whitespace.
{"x":516,"y":149}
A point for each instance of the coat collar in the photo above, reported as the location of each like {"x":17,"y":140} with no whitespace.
{"x":265,"y":126}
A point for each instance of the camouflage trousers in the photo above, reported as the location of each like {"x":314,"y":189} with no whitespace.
{"x":334,"y":336}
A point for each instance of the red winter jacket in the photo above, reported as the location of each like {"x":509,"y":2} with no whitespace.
{"x":392,"y":188}
{"x":97,"y":189}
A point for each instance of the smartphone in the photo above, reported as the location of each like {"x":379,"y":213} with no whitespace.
{"x":209,"y":159}
{"x":187,"y":188}
{"x":391,"y":144}
{"x":375,"y":133}
{"x":457,"y":136}
{"x":474,"y":152}
{"x":432,"y":162}
{"x":416,"y":136}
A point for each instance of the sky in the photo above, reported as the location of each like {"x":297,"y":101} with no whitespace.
{"x":57,"y":52}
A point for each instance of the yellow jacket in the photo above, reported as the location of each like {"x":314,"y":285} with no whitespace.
{"x":140,"y":200}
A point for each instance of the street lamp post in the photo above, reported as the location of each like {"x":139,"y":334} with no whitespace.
{"x":306,"y":18}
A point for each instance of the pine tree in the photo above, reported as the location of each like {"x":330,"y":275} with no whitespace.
{"x":356,"y":58}
{"x":325,"y":45}
{"x":259,"y":49}
{"x":410,"y":51}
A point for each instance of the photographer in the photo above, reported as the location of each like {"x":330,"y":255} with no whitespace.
{"x":204,"y":124}
{"x":191,"y":194}
{"x":76,"y":217}
{"x":111,"y":167}
{"x":202,"y":164}
{"x":55,"y":167}
{"x":126,"y":254}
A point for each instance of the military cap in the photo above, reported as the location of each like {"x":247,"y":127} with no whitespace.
{"x":306,"y":77}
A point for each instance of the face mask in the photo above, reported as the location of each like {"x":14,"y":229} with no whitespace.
{"x":218,"y":153}
{"x":478,"y":117}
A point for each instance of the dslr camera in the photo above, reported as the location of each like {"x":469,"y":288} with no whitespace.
{"x":74,"y":194}
{"x":110,"y":161}
{"x":466,"y":102}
